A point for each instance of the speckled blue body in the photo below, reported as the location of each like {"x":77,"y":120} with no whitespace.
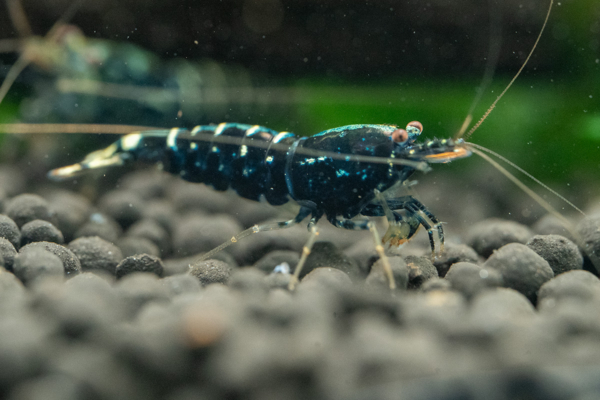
{"x":340,"y":187}
{"x":339,"y":173}
{"x":280,"y":173}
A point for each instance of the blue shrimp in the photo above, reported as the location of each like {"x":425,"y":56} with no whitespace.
{"x":330,"y":174}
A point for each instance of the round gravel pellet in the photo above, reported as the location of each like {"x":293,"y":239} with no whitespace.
{"x":378,"y":278}
{"x":23,"y":347}
{"x":248,"y":280}
{"x":152,"y":230}
{"x":180,"y":284}
{"x":589,"y":231}
{"x":10,"y":231}
{"x":571,"y":284}
{"x":176,"y":266}
{"x":161,"y":211}
{"x":130,"y":246}
{"x":211,"y":271}
{"x":420,"y":270}
{"x":124,"y":206}
{"x":40,"y":231}
{"x":139,"y":289}
{"x":436,"y":283}
{"x":277,"y":257}
{"x":278,"y":280}
{"x":196,"y":233}
{"x":324,"y":278}
{"x":8,"y":253}
{"x":102,"y":226}
{"x":469,"y":279}
{"x":522,"y":269}
{"x":326,"y":254}
{"x":11,"y":289}
{"x":140,"y":263}
{"x":550,"y":225}
{"x":494,"y":308}
{"x":95,"y":254}
{"x":562,"y":254}
{"x":72,"y":211}
{"x":454,"y":253}
{"x":37,"y":263}
{"x":69,"y":259}
{"x":364,"y":253}
{"x":29,"y":207}
{"x":491,"y":234}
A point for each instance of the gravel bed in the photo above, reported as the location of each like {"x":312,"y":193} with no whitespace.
{"x":104,"y":297}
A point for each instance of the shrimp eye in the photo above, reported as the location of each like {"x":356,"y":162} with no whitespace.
{"x":399,"y":136}
{"x":414,"y":125}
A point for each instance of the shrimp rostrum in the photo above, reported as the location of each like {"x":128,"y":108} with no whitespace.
{"x":342,"y":173}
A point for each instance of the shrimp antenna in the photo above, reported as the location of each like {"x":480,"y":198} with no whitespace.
{"x":24,"y":129}
{"x":489,"y":110}
{"x":491,"y":62}
{"x":565,"y":222}
{"x":22,"y":26}
{"x":65,"y":17}
{"x":125,"y":129}
{"x":521,"y":170}
{"x":19,"y":18}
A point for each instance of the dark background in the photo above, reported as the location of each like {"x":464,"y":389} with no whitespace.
{"x":347,"y":62}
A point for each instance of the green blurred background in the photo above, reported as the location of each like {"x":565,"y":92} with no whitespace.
{"x":340,"y":62}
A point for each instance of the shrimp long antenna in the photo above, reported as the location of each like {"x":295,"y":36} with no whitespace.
{"x":521,"y":170}
{"x":65,"y":17}
{"x":565,"y":222}
{"x":19,"y":18}
{"x":489,"y":110}
{"x":13,"y":74}
{"x":22,"y":26}
{"x":490,"y":65}
{"x":125,"y":129}
{"x":21,"y":129}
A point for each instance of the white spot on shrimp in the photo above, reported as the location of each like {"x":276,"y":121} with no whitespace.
{"x":220,"y":128}
{"x":171,"y":139}
{"x":252,"y":130}
{"x":131,"y":141}
{"x":309,"y":161}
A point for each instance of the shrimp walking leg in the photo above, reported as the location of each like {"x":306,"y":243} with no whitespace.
{"x":370,"y":226}
{"x":402,"y":228}
{"x":314,"y":232}
{"x":302,"y":214}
